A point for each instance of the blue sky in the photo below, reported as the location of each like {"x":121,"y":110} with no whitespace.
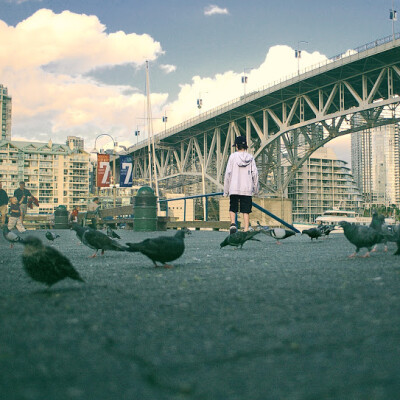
{"x":190,"y":50}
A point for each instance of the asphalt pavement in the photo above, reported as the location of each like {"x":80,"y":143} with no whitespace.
{"x":293,"y":321}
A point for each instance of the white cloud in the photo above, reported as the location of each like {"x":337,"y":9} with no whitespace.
{"x":22,"y":1}
{"x":279,"y":63}
{"x":168,"y":68}
{"x":43,"y":62}
{"x":213,"y":9}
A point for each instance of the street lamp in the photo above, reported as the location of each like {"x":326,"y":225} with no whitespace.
{"x":297,"y":54}
{"x":393,"y":17}
{"x":244,"y":79}
{"x":113,"y":152}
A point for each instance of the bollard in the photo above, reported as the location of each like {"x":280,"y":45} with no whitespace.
{"x":145,"y":210}
{"x":61,"y":218}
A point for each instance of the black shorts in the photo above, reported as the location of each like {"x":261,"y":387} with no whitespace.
{"x":244,"y":201}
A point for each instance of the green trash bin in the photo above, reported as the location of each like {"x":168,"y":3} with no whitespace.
{"x":61,"y":218}
{"x":145,"y":210}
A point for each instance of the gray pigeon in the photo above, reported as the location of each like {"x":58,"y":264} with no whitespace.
{"x":360,"y":236}
{"x":80,"y":230}
{"x":112,"y":234}
{"x":99,"y":241}
{"x":278,"y":233}
{"x":46,"y":264}
{"x":162,"y":249}
{"x":239,"y":238}
{"x":313,"y":233}
{"x":51,"y":236}
{"x":11,"y":237}
{"x":326,"y":229}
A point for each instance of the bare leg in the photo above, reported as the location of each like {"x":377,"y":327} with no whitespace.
{"x":246,"y":219}
{"x":232,"y":215}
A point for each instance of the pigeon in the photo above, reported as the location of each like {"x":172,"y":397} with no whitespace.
{"x":12,"y":237}
{"x":51,"y":236}
{"x":98,"y":240}
{"x":162,"y":249}
{"x":80,"y":230}
{"x":112,"y":234}
{"x":313,"y":233}
{"x":361,"y":236}
{"x":378,"y":223}
{"x":239,"y":238}
{"x":187,"y":231}
{"x":46,"y":264}
{"x":397,"y":236}
{"x":326,"y":229}
{"x":276,"y":233}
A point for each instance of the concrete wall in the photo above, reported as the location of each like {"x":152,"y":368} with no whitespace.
{"x":282,"y":208}
{"x":176,"y":208}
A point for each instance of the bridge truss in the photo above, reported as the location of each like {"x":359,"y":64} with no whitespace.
{"x":283,"y":124}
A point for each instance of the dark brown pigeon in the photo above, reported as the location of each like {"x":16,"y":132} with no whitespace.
{"x":46,"y":264}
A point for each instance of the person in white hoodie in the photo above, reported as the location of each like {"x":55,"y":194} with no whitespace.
{"x":240,"y":183}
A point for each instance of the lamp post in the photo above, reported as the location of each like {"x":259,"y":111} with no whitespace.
{"x":244,"y":79}
{"x":200,"y":102}
{"x":113,"y":152}
{"x":393,"y":17}
{"x":297,"y":54}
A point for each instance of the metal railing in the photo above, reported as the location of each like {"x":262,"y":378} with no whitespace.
{"x":255,"y":205}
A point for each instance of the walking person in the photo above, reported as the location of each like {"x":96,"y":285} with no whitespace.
{"x":240,"y":183}
{"x":15,"y":216}
{"x":93,"y":211}
{"x":3,"y":204}
{"x":22,"y":194}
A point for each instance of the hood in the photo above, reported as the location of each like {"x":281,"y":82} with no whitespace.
{"x":243,"y":159}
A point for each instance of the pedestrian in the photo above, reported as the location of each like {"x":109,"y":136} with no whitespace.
{"x":15,"y":216}
{"x":93,"y":211}
{"x":240,"y":183}
{"x":3,"y":204}
{"x":22,"y":194}
{"x":74,"y":214}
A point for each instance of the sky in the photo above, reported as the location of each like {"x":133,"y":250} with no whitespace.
{"x":77,"y":67}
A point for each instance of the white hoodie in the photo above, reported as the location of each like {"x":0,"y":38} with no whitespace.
{"x":241,"y":175}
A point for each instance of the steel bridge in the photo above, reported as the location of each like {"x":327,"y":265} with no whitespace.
{"x":284,"y":123}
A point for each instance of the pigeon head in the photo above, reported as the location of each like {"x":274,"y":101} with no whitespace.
{"x":32,"y":241}
{"x":344,"y":224}
{"x":180,"y":234}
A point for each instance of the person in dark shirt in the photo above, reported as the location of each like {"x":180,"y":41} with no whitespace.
{"x":22,"y":194}
{"x":15,"y":216}
{"x":3,"y":204}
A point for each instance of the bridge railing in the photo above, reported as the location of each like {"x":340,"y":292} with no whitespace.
{"x":245,"y":98}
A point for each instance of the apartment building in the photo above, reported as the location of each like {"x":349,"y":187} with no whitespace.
{"x":322,"y":183}
{"x":5,"y":109}
{"x":375,"y":159}
{"x":56,"y":174}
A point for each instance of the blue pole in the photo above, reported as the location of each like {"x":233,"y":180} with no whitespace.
{"x":206,"y":208}
{"x":276,"y":218}
{"x":184,"y":210}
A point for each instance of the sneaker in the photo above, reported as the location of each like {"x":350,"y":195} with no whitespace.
{"x":232,"y":229}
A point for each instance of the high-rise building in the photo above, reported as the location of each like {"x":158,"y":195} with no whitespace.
{"x":55,"y":174}
{"x":5,"y":108}
{"x":323,"y":182}
{"x":376,"y":164}
{"x":75,"y":142}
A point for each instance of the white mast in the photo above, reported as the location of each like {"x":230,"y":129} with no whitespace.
{"x":150,"y":134}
